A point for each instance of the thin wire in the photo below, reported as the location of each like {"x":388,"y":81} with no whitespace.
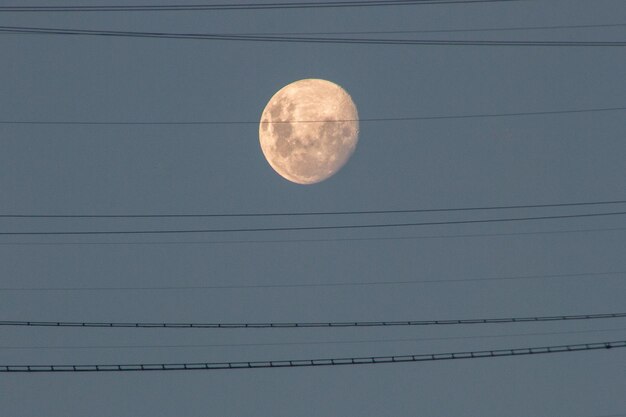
{"x":313,"y":285}
{"x":332,"y":342}
{"x":318,"y":213}
{"x":292,"y":363}
{"x":310,"y":324}
{"x":398,"y":32}
{"x":281,"y":241}
{"x":367,"y":120}
{"x":302,"y":228}
{"x":243,"y":6}
{"x":611,"y":415}
{"x":308,"y":39}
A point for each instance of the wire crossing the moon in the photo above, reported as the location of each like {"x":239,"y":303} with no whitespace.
{"x":370,"y":120}
{"x":293,"y":363}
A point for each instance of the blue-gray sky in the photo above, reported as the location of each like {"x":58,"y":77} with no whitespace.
{"x":397,"y":165}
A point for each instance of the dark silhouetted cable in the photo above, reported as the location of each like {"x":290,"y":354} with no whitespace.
{"x":243,"y":6}
{"x":303,"y":228}
{"x":313,"y":240}
{"x":305,"y":39}
{"x":414,"y":31}
{"x":367,"y":120}
{"x":322,"y":213}
{"x":327,"y":284}
{"x":283,"y":325}
{"x":292,"y":363}
{"x":310,"y":343}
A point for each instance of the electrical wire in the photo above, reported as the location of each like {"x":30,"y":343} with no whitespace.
{"x":366,"y":120}
{"x":243,"y":6}
{"x":607,"y":274}
{"x":306,"y":39}
{"x":321,"y":213}
{"x":308,"y":343}
{"x":282,"y":241}
{"x":611,"y":415}
{"x":303,"y":228}
{"x":400,"y":32}
{"x":310,"y":324}
{"x":292,"y":363}
{"x":311,"y":343}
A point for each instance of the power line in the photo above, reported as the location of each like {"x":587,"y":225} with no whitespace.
{"x":366,"y":120}
{"x":348,"y":239}
{"x":302,"y":228}
{"x":399,"y":32}
{"x":309,"y":343}
{"x":310,"y":324}
{"x":320,"y":213}
{"x":321,"y":285}
{"x":611,"y":415}
{"x":306,"y":39}
{"x":292,"y":363}
{"x":243,"y":6}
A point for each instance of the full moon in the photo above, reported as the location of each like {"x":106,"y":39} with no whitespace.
{"x":308,"y":130}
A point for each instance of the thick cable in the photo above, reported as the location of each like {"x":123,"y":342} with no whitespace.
{"x":293,"y":363}
{"x":282,"y":325}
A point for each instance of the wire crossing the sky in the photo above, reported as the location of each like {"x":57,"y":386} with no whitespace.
{"x":321,"y":213}
{"x":302,"y":228}
{"x":298,"y":363}
{"x":410,"y":31}
{"x":310,"y":240}
{"x":242,"y":6}
{"x":282,"y":325}
{"x":377,"y":119}
{"x":597,"y":275}
{"x":304,"y":39}
{"x":309,"y":342}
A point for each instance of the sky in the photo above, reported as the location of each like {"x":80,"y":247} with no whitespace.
{"x":575,"y":265}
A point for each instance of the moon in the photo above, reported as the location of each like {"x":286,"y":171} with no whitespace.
{"x":308,"y":130}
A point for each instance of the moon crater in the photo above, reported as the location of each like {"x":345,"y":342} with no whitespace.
{"x":308,"y":130}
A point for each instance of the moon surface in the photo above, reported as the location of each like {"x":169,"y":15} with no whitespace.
{"x":308,"y":130}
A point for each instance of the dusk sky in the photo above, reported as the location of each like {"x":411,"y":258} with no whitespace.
{"x":135,"y":126}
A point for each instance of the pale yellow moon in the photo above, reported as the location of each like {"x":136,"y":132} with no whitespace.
{"x":308,"y":130}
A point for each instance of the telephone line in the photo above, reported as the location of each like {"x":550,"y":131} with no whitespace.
{"x":280,"y":241}
{"x":243,"y":6}
{"x":367,"y":120}
{"x":292,"y":363}
{"x":311,"y":343}
{"x":409,"y":31}
{"x":303,"y":228}
{"x":306,"y":39}
{"x":310,"y":324}
{"x":321,"y":285}
{"x":320,"y":213}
